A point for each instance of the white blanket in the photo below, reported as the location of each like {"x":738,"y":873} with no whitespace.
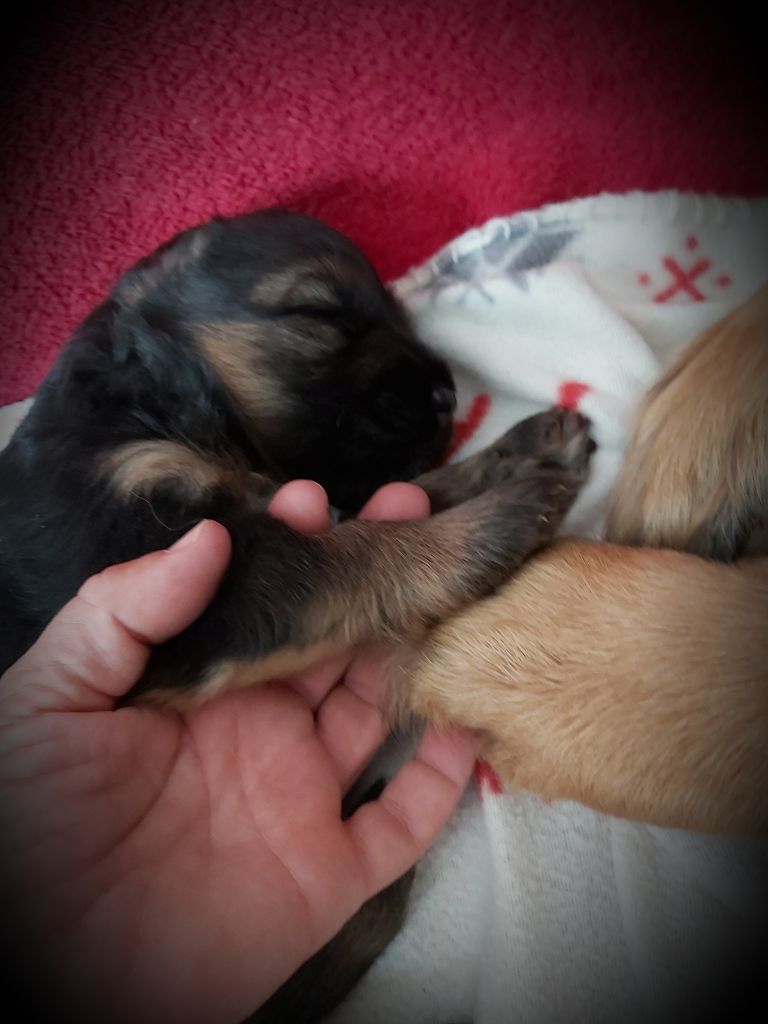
{"x":527,"y":912}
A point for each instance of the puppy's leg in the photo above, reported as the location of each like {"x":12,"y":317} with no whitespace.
{"x":633,"y":681}
{"x":330,"y":975}
{"x":326,"y":978}
{"x":696,"y":472}
{"x":288,"y":600}
{"x":557,"y":431}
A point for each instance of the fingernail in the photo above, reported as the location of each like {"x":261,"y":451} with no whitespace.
{"x":189,"y":538}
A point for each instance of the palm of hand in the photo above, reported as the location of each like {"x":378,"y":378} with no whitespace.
{"x":200,"y":808}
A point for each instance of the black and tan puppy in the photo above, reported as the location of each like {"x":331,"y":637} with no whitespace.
{"x":244,"y":353}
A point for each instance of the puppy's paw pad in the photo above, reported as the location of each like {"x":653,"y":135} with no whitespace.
{"x":559,"y":436}
{"x":566,"y":441}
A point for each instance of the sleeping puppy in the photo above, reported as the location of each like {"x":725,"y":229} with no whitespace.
{"x":242,"y":354}
{"x":630,"y":679}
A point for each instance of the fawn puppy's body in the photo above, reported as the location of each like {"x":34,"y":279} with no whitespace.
{"x":630,"y":679}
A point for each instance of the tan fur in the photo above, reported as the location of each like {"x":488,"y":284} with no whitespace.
{"x":698,"y":457}
{"x":634,"y":680}
{"x":304,"y":282}
{"x":239,"y":674}
{"x":403,"y":577}
{"x":233,"y":350}
{"x":137,"y":467}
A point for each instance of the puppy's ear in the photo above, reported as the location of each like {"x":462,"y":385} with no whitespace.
{"x":152,"y":350}
{"x":162,"y":266}
{"x":151,"y":337}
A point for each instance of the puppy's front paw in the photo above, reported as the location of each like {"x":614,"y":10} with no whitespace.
{"x":555,"y":438}
{"x":567,"y":442}
{"x":541,"y":495}
{"x":541,"y":465}
{"x":557,"y":462}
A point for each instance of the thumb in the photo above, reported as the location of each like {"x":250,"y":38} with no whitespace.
{"x":98,"y":645}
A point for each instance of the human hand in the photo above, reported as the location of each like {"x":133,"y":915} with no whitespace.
{"x":158,"y":866}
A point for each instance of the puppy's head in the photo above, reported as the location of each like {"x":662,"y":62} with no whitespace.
{"x":318,"y":360}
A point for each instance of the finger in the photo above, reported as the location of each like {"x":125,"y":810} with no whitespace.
{"x":96,"y":648}
{"x":397,"y":501}
{"x":352,"y":721}
{"x":393,"y":832}
{"x":302,"y":504}
{"x":314,"y":684}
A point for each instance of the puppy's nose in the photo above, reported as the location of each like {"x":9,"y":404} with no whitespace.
{"x":444,"y":401}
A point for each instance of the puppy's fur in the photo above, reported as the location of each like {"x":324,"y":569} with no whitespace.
{"x":636,"y":680}
{"x":696,"y":472}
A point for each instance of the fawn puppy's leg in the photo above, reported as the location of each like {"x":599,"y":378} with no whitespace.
{"x":696,"y":472}
{"x":631,"y":680}
{"x":635,"y":680}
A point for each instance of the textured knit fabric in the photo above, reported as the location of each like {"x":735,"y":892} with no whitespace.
{"x":402,"y":122}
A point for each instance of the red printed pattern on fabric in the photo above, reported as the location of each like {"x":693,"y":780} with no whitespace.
{"x":680,"y":280}
{"x":570,"y":393}
{"x":486,"y":779}
{"x":465,"y":429}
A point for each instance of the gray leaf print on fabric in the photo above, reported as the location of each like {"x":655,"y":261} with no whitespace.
{"x":540,"y":251}
{"x":499,"y":247}
{"x":513,"y":251}
{"x":463,"y":269}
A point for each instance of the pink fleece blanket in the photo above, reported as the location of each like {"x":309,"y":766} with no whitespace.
{"x":402,"y":123}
